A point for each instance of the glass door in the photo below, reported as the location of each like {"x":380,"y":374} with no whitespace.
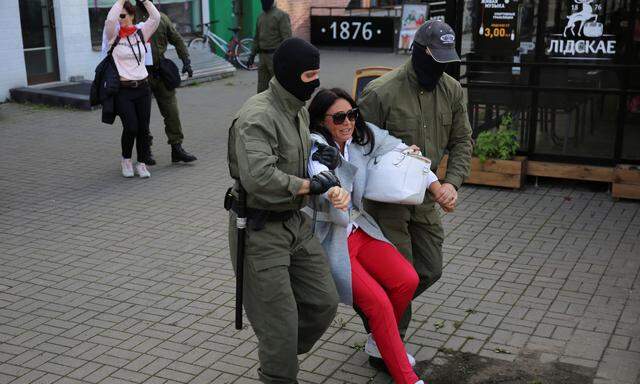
{"x":39,"y":40}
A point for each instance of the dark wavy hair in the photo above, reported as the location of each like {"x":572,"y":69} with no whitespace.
{"x":323,"y":100}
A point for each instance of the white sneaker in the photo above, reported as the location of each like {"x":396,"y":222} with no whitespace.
{"x":142,"y":170}
{"x":371,"y":349}
{"x":127,"y":168}
{"x":419,"y":382}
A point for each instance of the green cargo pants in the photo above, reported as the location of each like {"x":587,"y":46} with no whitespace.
{"x":168,"y":105}
{"x":265,"y":71}
{"x":289,"y":295}
{"x":418,"y":234}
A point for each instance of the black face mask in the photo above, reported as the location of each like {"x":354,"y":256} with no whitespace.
{"x":292,"y":58}
{"x":427,"y":69}
{"x":267,"y":5}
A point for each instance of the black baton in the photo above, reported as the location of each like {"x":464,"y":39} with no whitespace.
{"x":241,"y":225}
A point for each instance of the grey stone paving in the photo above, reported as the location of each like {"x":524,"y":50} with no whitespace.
{"x":109,"y":280}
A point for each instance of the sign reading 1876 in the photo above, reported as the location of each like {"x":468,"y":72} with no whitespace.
{"x":583,"y":36}
{"x":352,"y":31}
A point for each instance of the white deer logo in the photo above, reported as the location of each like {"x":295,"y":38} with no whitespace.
{"x":584,"y":16}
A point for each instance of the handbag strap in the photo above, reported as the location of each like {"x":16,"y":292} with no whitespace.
{"x":113,"y":46}
{"x":139,"y":32}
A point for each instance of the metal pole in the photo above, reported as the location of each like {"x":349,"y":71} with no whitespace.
{"x":241,"y":225}
{"x":626,"y":77}
{"x":534,"y":79}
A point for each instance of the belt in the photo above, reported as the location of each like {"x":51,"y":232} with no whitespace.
{"x":266,"y":51}
{"x":257,"y":217}
{"x":133,"y":83}
{"x":270,"y":215}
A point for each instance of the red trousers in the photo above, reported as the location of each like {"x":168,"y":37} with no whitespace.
{"x":383,"y":284}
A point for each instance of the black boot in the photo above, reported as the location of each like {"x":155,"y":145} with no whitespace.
{"x":378,"y":363}
{"x":150,"y":159}
{"x":179,"y":154}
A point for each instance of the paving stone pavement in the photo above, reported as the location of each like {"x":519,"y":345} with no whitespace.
{"x":112,"y":280}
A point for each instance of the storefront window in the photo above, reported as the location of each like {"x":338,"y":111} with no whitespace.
{"x":185,"y":15}
{"x":567,"y":97}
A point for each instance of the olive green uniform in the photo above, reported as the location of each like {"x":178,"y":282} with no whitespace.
{"x":167,"y":103}
{"x":434,"y":121}
{"x":273,"y":27}
{"x":289,"y":295}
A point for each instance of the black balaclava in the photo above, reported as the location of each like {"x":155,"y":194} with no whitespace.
{"x":427,"y":69}
{"x":292,"y":58}
{"x":267,"y":5}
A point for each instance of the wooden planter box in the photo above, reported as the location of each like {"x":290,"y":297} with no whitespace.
{"x":626,"y":182}
{"x":495,"y":173}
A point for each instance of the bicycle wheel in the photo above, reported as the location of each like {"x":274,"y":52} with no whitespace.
{"x":199,"y":43}
{"x":243,"y":52}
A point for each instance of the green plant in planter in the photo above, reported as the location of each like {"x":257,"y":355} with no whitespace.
{"x":501,"y":144}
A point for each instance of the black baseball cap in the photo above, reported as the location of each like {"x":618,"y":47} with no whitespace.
{"x":438,"y":38}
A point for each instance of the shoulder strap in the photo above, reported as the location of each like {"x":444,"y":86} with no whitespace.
{"x":139,"y":32}
{"x":115,"y":42}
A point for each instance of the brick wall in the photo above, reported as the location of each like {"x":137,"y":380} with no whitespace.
{"x":13,"y":73}
{"x":300,"y":10}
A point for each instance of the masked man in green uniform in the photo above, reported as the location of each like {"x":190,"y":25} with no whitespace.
{"x":422,"y":105}
{"x":289,"y":295}
{"x":272,"y":28}
{"x":167,"y":103}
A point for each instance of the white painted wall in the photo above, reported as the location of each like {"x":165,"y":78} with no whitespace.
{"x":13,"y":73}
{"x":73,"y":34}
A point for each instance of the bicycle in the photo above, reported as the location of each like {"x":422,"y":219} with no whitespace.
{"x":237,"y":51}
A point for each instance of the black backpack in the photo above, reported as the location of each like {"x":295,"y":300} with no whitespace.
{"x":169,"y":73}
{"x":106,"y":81}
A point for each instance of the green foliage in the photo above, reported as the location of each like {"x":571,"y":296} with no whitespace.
{"x":501,"y":144}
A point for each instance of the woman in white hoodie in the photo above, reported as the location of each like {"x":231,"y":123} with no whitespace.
{"x":133,"y":101}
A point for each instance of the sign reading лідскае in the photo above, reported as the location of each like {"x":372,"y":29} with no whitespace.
{"x":583,"y":36}
{"x":498,"y":29}
{"x":352,"y":31}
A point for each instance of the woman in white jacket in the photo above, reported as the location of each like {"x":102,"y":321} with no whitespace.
{"x":369,"y":271}
{"x":133,"y":100}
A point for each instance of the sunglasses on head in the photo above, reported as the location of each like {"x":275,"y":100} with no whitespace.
{"x":123,"y":15}
{"x":340,"y":117}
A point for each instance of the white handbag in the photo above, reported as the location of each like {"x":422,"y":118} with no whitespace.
{"x":397,"y":177}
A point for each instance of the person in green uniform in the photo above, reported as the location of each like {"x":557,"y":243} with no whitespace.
{"x":272,"y":28}
{"x":290,"y":297}
{"x":421,"y":104}
{"x":167,"y":103}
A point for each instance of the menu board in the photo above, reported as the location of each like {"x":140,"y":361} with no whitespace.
{"x":497,"y":26}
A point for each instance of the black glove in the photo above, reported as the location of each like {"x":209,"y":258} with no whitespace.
{"x":186,"y":67}
{"x":252,"y":60}
{"x":327,"y":155}
{"x":322,"y":182}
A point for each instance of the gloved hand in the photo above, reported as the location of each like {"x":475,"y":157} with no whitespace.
{"x":327,"y":155}
{"x":186,"y":67}
{"x":252,"y":60}
{"x":322,"y":182}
